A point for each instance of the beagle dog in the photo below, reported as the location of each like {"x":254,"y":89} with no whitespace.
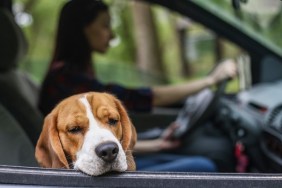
{"x":89,"y":132}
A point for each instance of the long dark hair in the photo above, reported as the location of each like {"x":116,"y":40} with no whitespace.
{"x":71,"y":45}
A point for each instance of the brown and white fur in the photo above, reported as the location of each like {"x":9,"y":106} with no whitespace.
{"x":90,"y":132}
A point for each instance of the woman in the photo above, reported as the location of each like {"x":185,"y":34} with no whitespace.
{"x":84,"y":29}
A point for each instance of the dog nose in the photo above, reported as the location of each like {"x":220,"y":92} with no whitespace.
{"x":107,"y":151}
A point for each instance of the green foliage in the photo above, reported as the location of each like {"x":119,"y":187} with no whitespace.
{"x":165,"y":21}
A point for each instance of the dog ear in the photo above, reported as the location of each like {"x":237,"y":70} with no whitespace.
{"x":49,"y":151}
{"x":128,"y":131}
{"x":130,"y":160}
{"x":129,"y":135}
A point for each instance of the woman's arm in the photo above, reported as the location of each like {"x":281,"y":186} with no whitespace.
{"x":156,"y":145}
{"x":165,"y":95}
{"x":147,"y":146}
{"x":165,"y":142}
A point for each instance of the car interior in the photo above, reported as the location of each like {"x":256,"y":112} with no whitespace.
{"x":249,"y":119}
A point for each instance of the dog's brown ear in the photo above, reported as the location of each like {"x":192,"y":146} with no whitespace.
{"x":49,"y":151}
{"x":130,"y":160}
{"x":129,"y":135}
{"x":128,"y":131}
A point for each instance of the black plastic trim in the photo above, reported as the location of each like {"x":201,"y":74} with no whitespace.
{"x":69,"y":178}
{"x":199,"y":14}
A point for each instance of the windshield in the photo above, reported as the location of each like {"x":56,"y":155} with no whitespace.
{"x":259,"y":19}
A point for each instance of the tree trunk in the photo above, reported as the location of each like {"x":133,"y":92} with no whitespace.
{"x":149,"y":57}
{"x":219,"y":49}
{"x":182,"y":25}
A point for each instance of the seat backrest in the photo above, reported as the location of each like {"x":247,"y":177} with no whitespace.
{"x":15,"y":148}
{"x":13,"y":44}
{"x":18,"y":92}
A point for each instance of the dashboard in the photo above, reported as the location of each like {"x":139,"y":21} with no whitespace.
{"x":254,"y":118}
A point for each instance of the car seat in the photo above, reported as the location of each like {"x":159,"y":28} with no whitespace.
{"x":18,"y":91}
{"x":15,"y":148}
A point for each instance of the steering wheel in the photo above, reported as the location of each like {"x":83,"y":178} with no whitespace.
{"x":198,"y":109}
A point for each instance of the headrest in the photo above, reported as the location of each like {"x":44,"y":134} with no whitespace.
{"x":13,"y":45}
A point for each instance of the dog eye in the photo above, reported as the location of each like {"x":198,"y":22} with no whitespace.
{"x":75,"y":130}
{"x":112,"y":121}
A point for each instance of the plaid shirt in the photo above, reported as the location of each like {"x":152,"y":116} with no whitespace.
{"x":60,"y":83}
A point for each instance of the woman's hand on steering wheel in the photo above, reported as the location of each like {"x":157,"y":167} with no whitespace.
{"x":225,"y":70}
{"x":167,"y":141}
{"x":220,"y":75}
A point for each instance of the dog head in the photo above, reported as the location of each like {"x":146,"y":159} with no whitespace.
{"x":90,"y":132}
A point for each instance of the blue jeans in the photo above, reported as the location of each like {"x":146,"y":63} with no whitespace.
{"x":174,"y":163}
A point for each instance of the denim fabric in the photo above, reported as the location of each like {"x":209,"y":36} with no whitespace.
{"x":174,"y":163}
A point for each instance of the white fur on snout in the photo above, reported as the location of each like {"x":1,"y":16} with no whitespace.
{"x":87,"y":159}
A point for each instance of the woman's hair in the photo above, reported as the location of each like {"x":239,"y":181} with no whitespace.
{"x":71,"y":45}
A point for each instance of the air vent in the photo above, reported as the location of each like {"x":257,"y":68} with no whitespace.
{"x":258,"y":108}
{"x":273,"y":145}
{"x":274,"y":119}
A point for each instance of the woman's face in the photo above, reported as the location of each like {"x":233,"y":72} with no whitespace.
{"x":99,"y":32}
